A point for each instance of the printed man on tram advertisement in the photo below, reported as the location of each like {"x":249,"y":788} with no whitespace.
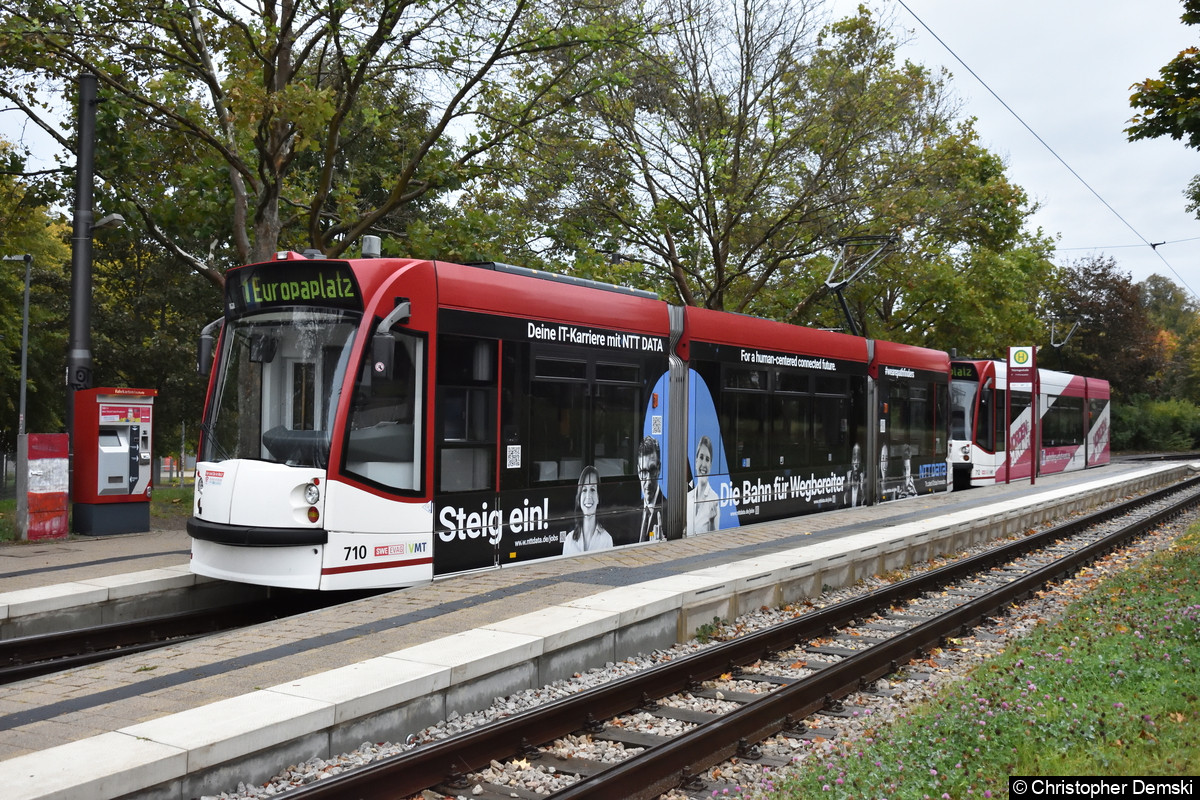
{"x":649,"y":466}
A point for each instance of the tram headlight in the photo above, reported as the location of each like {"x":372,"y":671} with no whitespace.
{"x":966,"y":452}
{"x":312,"y":494}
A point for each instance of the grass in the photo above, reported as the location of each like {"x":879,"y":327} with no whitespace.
{"x":166,"y":503}
{"x":1112,"y":689}
{"x":171,"y":502}
{"x":8,"y":520}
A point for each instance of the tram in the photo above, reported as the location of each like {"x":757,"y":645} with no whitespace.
{"x":992,"y":436}
{"x":384,"y":422}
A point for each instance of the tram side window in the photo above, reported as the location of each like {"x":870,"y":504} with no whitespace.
{"x":1063,"y":423}
{"x":744,"y":412}
{"x":1095,"y":410}
{"x":1019,"y":404}
{"x":557,"y":404}
{"x":615,"y":409}
{"x":831,"y":420}
{"x":941,"y":443}
{"x":466,"y":388}
{"x":584,"y":413}
{"x":997,"y":400}
{"x":904,"y":416}
{"x":915,"y":417}
{"x":791,"y":418}
{"x":383,"y":440}
{"x":830,"y":430}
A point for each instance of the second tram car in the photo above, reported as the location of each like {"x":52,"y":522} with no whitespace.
{"x":1074,"y":413}
{"x":385,"y":422}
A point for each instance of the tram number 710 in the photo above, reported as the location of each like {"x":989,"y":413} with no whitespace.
{"x":358,"y":552}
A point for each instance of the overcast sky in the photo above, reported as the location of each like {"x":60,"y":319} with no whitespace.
{"x":1065,"y":67}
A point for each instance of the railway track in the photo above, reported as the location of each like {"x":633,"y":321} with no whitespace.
{"x":799,"y":668}
{"x":30,"y":656}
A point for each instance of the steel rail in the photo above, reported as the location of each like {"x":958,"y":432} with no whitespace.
{"x":432,"y":764}
{"x":661,"y":768}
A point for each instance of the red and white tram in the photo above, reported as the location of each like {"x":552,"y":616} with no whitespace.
{"x":385,"y":422}
{"x":1074,"y":415}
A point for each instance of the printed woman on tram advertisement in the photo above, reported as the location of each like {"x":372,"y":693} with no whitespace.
{"x":588,"y":534}
{"x":703,"y":503}
{"x":795,"y":432}
{"x":714,"y":489}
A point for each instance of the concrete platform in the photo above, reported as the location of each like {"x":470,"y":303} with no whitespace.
{"x":200,"y":717}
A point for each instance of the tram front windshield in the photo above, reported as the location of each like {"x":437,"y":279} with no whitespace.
{"x":962,"y":408}
{"x":277,"y":391}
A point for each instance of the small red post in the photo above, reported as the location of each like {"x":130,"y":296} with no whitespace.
{"x":42,"y":486}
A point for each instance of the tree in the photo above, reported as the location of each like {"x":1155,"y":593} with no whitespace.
{"x":739,"y":145}
{"x":1168,"y":305}
{"x":145,"y":328}
{"x":27,"y":226}
{"x":231,"y":128}
{"x":733,"y":148}
{"x":965,"y":274}
{"x":1116,"y":339}
{"x":1169,"y":105}
{"x":1176,"y":317}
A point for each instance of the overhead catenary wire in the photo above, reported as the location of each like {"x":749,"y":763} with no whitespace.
{"x":1154,"y":245}
{"x":1145,"y":242}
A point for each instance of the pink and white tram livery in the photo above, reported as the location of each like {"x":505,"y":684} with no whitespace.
{"x":1074,"y":413}
{"x":384,"y":422}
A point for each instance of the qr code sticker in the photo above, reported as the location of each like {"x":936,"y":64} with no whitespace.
{"x":656,"y":425}
{"x":514,"y":456}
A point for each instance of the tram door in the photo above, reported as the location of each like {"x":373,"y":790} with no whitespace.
{"x":468,"y":520}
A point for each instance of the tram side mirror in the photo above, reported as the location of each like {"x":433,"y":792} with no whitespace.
{"x":383,"y":344}
{"x":383,"y":355}
{"x":208,"y":343}
{"x":204,"y":358}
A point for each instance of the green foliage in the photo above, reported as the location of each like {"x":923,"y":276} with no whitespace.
{"x":28,"y":227}
{"x":1169,"y":105}
{"x":1142,"y":424}
{"x":1116,"y":339}
{"x":709,"y":631}
{"x":146,"y":317}
{"x":738,"y":144}
{"x":1169,"y":306}
{"x":169,"y":507}
{"x":230,"y":135}
{"x":1111,"y":689}
{"x":712,"y":153}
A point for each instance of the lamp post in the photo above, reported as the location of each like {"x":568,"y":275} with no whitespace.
{"x":28,"y":259}
{"x":79,"y":343}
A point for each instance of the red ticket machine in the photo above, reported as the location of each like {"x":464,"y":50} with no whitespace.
{"x":110,"y":487}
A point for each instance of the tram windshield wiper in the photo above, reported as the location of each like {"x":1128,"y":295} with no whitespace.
{"x":211,"y":438}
